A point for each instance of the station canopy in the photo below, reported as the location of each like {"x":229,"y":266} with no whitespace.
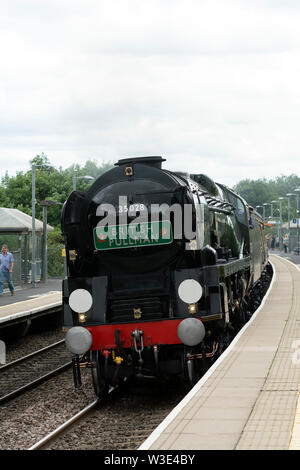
{"x":13,"y":220}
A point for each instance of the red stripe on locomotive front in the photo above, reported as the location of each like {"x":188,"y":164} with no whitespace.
{"x":159,"y":332}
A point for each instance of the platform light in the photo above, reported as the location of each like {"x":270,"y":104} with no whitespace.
{"x":192,"y":309}
{"x":82,"y":317}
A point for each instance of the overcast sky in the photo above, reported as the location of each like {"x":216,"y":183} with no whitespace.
{"x":213,"y":86}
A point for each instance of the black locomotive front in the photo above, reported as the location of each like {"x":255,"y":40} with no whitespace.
{"x":146,"y":293}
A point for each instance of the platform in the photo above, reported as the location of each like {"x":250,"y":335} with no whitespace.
{"x":249,"y":399}
{"x":29,"y":301}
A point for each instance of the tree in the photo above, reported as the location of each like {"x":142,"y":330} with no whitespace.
{"x":258,"y":192}
{"x":255,"y":192}
{"x":40,"y":160}
{"x":51,"y":183}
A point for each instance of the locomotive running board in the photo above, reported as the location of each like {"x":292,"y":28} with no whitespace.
{"x":214,"y":316}
{"x":232,"y":267}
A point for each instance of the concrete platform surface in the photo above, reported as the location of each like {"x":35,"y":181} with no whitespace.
{"x":29,"y":299}
{"x":248,"y":398}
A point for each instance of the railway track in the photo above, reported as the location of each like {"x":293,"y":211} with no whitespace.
{"x":33,"y":369}
{"x":63,"y":427}
{"x":122,"y":422}
{"x":67,"y":425}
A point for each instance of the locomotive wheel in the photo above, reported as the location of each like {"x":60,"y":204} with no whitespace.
{"x":101,"y":385}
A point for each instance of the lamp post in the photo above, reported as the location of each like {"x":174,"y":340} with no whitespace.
{"x":289,"y":209}
{"x":75,"y":178}
{"x":45,"y":204}
{"x":297,"y":190}
{"x":263,"y":208}
{"x":33,"y":202}
{"x":269,"y":204}
{"x":278,"y":229}
{"x":273,"y":202}
{"x":289,"y":195}
{"x":280,"y":200}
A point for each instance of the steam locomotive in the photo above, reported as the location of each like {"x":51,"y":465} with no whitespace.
{"x":163,"y":270}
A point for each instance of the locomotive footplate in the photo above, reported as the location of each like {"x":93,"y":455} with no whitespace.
{"x":232,"y":267}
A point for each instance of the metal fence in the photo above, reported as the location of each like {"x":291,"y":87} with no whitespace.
{"x":17,"y":271}
{"x":23,"y":255}
{"x":55,"y":262}
{"x":19,"y":276}
{"x":294,"y":241}
{"x":55,"y":266}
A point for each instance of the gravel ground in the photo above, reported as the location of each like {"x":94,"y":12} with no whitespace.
{"x":125,"y":421}
{"x":22,"y":374}
{"x":27,"y":419}
{"x":32,"y":342}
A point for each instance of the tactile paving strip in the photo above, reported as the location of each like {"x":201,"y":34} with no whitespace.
{"x":270,"y":424}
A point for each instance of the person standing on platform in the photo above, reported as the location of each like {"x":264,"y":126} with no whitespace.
{"x":6,"y":269}
{"x":273,"y":242}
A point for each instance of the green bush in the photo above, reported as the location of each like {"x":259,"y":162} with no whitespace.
{"x":55,"y":258}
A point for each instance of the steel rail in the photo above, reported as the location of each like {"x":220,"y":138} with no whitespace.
{"x":28,"y":356}
{"x":63,"y":426}
{"x":68,"y":423}
{"x":34,"y":383}
{"x":37,"y":381}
